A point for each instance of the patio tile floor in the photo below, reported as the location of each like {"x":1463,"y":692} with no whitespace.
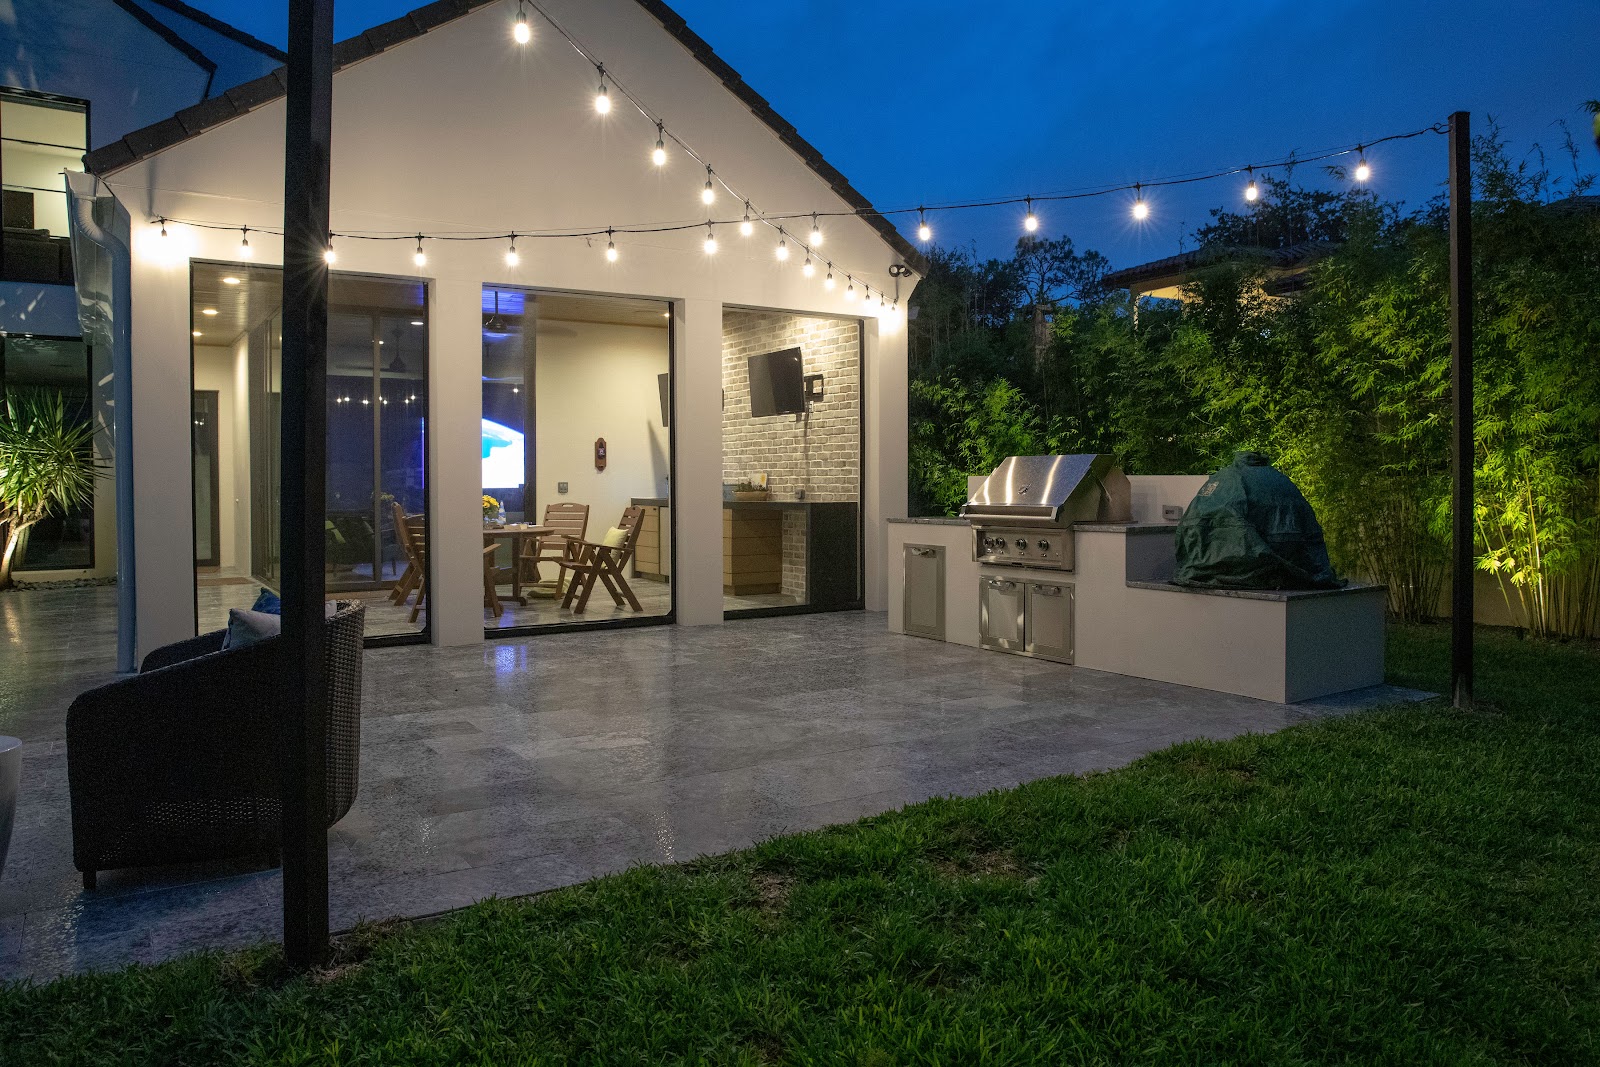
{"x":529,"y":763}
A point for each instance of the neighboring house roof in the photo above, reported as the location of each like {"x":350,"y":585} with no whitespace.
{"x":216,"y":25}
{"x":1175,"y":270}
{"x":241,"y":99}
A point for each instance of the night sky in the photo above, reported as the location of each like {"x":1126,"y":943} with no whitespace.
{"x":923,"y":102}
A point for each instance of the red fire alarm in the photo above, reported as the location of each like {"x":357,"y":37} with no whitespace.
{"x":599,"y":453}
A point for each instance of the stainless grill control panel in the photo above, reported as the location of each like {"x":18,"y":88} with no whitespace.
{"x":1050,"y":549}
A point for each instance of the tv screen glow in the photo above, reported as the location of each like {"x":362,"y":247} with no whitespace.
{"x":503,"y":465}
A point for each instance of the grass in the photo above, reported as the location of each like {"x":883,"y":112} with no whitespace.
{"x":1408,"y":886}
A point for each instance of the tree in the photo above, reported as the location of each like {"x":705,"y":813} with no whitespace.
{"x":47,"y":466}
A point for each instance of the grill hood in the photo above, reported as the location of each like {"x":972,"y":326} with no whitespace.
{"x":1052,"y":491}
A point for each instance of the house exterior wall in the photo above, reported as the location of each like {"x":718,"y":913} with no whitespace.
{"x":429,"y":136}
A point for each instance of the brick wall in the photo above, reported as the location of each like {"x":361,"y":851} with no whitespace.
{"x":819,"y":452}
{"x":794,"y":552}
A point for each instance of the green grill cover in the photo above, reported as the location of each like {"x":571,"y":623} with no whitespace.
{"x":1250,"y":528}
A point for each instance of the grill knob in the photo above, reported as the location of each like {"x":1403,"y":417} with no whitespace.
{"x":1022,"y":543}
{"x":1044,"y":546}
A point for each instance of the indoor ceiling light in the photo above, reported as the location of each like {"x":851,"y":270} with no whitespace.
{"x":208,"y":311}
{"x":230,"y":281}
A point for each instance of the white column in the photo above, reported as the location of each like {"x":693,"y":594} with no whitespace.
{"x":162,"y":422}
{"x":697,"y":459}
{"x":885,"y":463}
{"x":455,"y":435}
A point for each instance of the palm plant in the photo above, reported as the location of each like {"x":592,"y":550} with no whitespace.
{"x":47,"y":465}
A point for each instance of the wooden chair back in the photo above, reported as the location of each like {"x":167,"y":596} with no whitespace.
{"x":632,"y":521}
{"x":567,"y":520}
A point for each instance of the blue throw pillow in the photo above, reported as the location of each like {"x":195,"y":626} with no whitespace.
{"x":246,"y":628}
{"x":268,"y":602}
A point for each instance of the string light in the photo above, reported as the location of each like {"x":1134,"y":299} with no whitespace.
{"x":709,"y":194}
{"x":659,"y":156}
{"x":816,"y":232}
{"x":602,"y":99}
{"x":1251,"y":193}
{"x":512,"y":259}
{"x":746,"y":228}
{"x":924,"y":234}
{"x":1030,"y":221}
{"x":783,"y":246}
{"x":807,"y":269}
{"x":420,"y":258}
{"x":521,"y":32}
{"x":611,"y":248}
{"x":827,"y":283}
{"x":849,"y":288}
{"x":244,"y":243}
{"x":1363,"y":171}
{"x":163,"y":227}
{"x":329,"y":256}
{"x":711,"y":241}
{"x":1141,"y":210}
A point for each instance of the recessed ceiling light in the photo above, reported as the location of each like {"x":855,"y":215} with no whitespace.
{"x":208,"y":311}
{"x":197,"y":333}
{"x":666,"y":314}
{"x":418,"y":322}
{"x":230,"y":281}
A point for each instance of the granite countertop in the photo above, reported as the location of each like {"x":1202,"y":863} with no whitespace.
{"x":931,"y":520}
{"x":650,"y":502}
{"x":1259,"y":594}
{"x":1129,"y":528}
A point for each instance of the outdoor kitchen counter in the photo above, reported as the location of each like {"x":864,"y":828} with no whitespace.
{"x":931,"y":520}
{"x":1128,"y":617}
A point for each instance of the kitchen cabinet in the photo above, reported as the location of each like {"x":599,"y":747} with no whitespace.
{"x":924,"y":591}
{"x":1048,"y":624}
{"x":1002,"y":613}
{"x":1027,"y":617}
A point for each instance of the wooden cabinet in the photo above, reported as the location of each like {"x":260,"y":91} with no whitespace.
{"x":649,"y":553}
{"x":752,"y":551}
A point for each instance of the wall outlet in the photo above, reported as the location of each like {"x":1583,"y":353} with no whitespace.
{"x":1169,"y":512}
{"x":561,"y":487}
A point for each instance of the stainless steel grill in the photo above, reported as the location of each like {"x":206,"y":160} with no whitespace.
{"x":1022,"y":514}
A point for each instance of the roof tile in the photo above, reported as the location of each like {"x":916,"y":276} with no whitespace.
{"x":247,"y":96}
{"x":391,"y":33}
{"x":109,"y":157}
{"x":163,"y":134}
{"x":206,"y":114}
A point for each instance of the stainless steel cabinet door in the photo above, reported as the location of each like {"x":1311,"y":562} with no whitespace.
{"x":1049,"y":629}
{"x":924,"y":591}
{"x":1001,"y":603}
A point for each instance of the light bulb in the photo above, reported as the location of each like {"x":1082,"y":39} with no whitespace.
{"x":816,"y":232}
{"x":1030,"y":221}
{"x":602,"y":99}
{"x":827,"y":283}
{"x":849,"y":289}
{"x":783,"y":247}
{"x":1363,"y":171}
{"x":611,"y":248}
{"x":521,"y":32}
{"x":1141,"y":210}
{"x":420,"y":258}
{"x":711,"y":242}
{"x":245,"y":251}
{"x":924,"y":234}
{"x":328,"y":254}
{"x":807,"y":269}
{"x":709,"y":193}
{"x":512,"y":259}
{"x":659,"y":156}
{"x":1251,"y":193}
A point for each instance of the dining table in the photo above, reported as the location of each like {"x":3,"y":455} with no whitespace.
{"x":516,"y":533}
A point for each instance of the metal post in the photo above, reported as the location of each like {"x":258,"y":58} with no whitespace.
{"x":307,"y":136}
{"x":1462,"y":533}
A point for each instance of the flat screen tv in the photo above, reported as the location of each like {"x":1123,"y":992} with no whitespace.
{"x":777,"y":384}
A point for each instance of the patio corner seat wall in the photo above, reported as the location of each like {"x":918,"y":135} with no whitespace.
{"x":179,"y":763}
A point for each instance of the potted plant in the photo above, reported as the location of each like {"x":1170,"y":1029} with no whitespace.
{"x":47,"y":465}
{"x":494,"y":513}
{"x":748,"y":490}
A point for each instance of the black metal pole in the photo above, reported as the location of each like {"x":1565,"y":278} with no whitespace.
{"x":1462,"y":532}
{"x":308,"y":129}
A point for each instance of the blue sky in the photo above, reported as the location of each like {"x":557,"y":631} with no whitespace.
{"x":922,"y":102}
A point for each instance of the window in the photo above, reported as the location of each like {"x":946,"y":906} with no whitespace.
{"x":40,"y":136}
{"x":55,"y":365}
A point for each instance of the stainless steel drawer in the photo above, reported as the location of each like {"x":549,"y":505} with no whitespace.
{"x":1049,"y":620}
{"x":1002,"y":604}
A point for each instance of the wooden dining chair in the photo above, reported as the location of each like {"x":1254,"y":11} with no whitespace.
{"x":491,"y":576}
{"x":591,"y":561}
{"x":409,"y":530}
{"x":570,"y":522}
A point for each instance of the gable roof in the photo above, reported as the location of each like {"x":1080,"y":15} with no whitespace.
{"x":244,"y":98}
{"x":216,"y":25}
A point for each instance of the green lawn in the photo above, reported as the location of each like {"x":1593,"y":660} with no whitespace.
{"x":1404,"y":886}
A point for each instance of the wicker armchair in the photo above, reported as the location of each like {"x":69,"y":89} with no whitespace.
{"x":178,"y":764}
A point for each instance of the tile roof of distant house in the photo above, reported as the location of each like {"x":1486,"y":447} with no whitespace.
{"x":1288,"y":257}
{"x":218,"y":26}
{"x":244,"y":98}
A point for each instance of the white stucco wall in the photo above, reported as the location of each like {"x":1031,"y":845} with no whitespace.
{"x":429,"y":137}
